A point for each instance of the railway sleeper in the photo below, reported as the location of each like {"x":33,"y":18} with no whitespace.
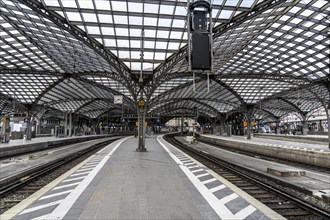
{"x":261,"y":196}
{"x":271,"y":201}
{"x":286,"y":206}
{"x":247,"y":187}
{"x":243,"y":184}
{"x":294,"y":212}
{"x":232,"y":178}
{"x":257,"y":191}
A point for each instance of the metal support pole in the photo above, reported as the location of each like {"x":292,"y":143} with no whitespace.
{"x":327,"y":112}
{"x":320,"y":126}
{"x":141,"y":104}
{"x":189,"y":37}
{"x":249,"y":119}
{"x":278,"y":131}
{"x":182,"y":121}
{"x":248,"y":128}
{"x":38,"y":126}
{"x":70,"y":124}
{"x":5,"y":130}
{"x":65,"y":124}
{"x":213,"y":126}
{"x":141,"y":129}
{"x":222,"y":125}
{"x":28,"y":131}
{"x":29,"y":128}
{"x":304,"y":124}
{"x":194,"y":130}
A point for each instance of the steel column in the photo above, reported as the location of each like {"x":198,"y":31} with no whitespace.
{"x":141,"y":129}
{"x":65,"y":124}
{"x":70,"y":124}
{"x":249,"y":119}
{"x":182,"y":121}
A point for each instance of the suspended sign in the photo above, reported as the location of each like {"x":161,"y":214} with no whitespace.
{"x":245,"y":123}
{"x":141,"y":102}
{"x":137,"y":123}
{"x":118,"y":99}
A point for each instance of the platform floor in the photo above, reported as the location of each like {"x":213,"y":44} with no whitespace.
{"x":19,"y":142}
{"x":23,"y":163}
{"x":315,"y":182}
{"x":298,"y":136}
{"x":275,"y":143}
{"x":120,"y":183}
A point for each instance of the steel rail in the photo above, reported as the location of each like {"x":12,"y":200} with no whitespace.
{"x":234,"y":168}
{"x":39,"y":171}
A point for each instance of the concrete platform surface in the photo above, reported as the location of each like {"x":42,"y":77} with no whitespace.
{"x":275,"y":143}
{"x":38,"y":140}
{"x":317,"y":139}
{"x":120,"y":183}
{"x":21,"y":165}
{"x":313,"y":181}
{"x":296,"y":136}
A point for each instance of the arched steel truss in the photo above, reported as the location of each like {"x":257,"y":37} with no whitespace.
{"x":73,"y":56}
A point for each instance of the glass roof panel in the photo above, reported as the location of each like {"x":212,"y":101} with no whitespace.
{"x":119,"y":6}
{"x":288,"y":42}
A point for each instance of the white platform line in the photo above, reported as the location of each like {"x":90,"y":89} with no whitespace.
{"x":89,"y":166}
{"x":55,"y":194}
{"x":217,"y":188}
{"x":228,"y":198}
{"x":193,"y":166}
{"x":73,"y":179}
{"x":60,"y":211}
{"x":209,"y":180}
{"x":92,"y":164}
{"x":94,"y":161}
{"x":65,"y":186}
{"x":79,"y":174}
{"x":85,"y":169}
{"x":245,"y":212}
{"x":195,"y":171}
{"x":222,"y":211}
{"x":36,"y":208}
{"x":203,"y":174}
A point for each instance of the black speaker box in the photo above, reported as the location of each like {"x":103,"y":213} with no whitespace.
{"x":199,"y":21}
{"x":200,"y":54}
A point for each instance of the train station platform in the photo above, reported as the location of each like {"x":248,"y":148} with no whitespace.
{"x":15,"y":147}
{"x":314,"y":154}
{"x":317,"y":139}
{"x":38,"y":140}
{"x":308,"y":180}
{"x":264,"y":140}
{"x":120,"y":183}
{"x":22,"y":166}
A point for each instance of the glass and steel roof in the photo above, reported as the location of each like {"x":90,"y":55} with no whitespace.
{"x":76,"y":55}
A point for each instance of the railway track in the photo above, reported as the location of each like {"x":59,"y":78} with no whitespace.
{"x":22,"y":187}
{"x":267,"y":191}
